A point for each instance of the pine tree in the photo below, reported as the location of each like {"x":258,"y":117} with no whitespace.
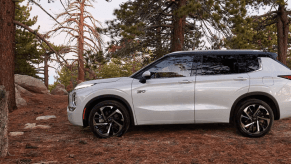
{"x":269,"y":31}
{"x":246,"y":36}
{"x":27,"y":50}
{"x":149,"y":25}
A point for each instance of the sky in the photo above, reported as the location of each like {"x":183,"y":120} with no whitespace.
{"x":102,"y":11}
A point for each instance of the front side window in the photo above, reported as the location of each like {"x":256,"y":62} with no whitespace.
{"x":217,"y":64}
{"x":172,"y":66}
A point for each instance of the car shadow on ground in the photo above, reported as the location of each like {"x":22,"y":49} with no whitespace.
{"x":173,"y":128}
{"x":182,"y":127}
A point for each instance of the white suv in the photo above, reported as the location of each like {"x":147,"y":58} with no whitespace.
{"x":248,"y":88}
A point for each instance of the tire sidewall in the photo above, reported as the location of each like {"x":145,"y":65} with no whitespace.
{"x":242,"y":106}
{"x":122,"y":109}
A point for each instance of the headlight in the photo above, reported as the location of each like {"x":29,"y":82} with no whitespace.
{"x":83,"y":86}
{"x":74,"y":102}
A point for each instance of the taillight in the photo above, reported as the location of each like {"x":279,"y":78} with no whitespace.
{"x":285,"y":76}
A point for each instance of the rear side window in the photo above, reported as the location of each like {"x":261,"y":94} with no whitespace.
{"x":227,"y":64}
{"x":247,"y":63}
{"x":217,"y":65}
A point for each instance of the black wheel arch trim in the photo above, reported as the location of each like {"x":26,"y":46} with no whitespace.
{"x":250,"y":94}
{"x":90,"y":104}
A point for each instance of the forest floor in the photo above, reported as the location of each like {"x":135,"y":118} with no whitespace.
{"x":203,"y":143}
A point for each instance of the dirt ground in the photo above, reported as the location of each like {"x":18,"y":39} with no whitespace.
{"x":207,"y":143}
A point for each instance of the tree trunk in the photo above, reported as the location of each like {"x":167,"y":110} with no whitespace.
{"x":179,"y":29}
{"x":81,"y":74}
{"x":7,"y":50}
{"x":282,"y":34}
{"x":3,"y":122}
{"x":46,"y":70}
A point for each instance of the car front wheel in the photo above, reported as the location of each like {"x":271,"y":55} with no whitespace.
{"x":254,"y":118}
{"x":109,"y":118}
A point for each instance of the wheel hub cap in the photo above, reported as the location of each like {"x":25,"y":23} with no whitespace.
{"x":255,"y":119}
{"x":108,"y":121}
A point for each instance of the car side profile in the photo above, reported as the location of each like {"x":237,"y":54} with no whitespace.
{"x":247,"y":88}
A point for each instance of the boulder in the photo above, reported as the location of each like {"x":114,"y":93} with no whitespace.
{"x":23,"y":91}
{"x":19,"y":100}
{"x":31,"y":84}
{"x":60,"y":85}
{"x":59,"y":90}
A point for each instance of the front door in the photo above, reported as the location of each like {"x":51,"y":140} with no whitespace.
{"x":168,"y":96}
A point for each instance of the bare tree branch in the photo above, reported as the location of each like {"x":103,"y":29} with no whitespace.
{"x":44,"y":11}
{"x":41,"y":37}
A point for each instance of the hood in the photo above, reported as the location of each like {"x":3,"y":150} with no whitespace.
{"x":101,"y":81}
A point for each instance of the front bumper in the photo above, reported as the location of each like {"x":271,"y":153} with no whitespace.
{"x":75,"y":117}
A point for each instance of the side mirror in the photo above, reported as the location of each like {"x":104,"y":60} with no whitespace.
{"x":146,"y":75}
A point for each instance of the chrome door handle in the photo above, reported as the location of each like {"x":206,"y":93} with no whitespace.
{"x":240,"y":79}
{"x":185,"y":81}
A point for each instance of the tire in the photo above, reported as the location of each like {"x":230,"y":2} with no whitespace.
{"x":254,"y":118}
{"x":109,"y":118}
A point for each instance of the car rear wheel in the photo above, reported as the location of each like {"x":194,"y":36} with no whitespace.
{"x":109,"y":118}
{"x":254,"y":118}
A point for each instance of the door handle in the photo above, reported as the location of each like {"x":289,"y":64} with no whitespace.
{"x":240,"y":79}
{"x":185,"y":81}
{"x":141,"y":91}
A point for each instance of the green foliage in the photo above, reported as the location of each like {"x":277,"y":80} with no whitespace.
{"x":68,"y":74}
{"x":246,"y":37}
{"x":27,"y":46}
{"x":144,"y":25}
{"x":93,"y":60}
{"x":52,"y":86}
{"x":118,"y":68}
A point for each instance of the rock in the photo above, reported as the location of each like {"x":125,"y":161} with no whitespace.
{"x":30,"y":125}
{"x":45,"y":117}
{"x":82,"y":142}
{"x":31,"y":84}
{"x":23,"y":91}
{"x":43,"y":126}
{"x":71,"y":155}
{"x":19,"y":100}
{"x":16,"y":133}
{"x":34,"y":126}
{"x":59,"y":90}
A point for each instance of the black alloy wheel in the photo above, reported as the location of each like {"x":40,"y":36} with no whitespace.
{"x":109,"y":118}
{"x":254,"y":118}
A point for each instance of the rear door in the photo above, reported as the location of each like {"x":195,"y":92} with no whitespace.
{"x":218,"y":84}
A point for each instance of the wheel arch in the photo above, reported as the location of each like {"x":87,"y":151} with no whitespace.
{"x":269,"y":99}
{"x":96,"y":100}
